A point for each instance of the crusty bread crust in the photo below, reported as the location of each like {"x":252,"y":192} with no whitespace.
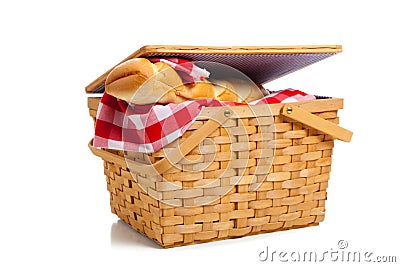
{"x":139,"y":81}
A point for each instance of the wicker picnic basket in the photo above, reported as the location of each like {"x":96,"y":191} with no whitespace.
{"x":237,"y":171}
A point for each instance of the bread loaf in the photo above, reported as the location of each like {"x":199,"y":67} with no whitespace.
{"x":140,"y":81}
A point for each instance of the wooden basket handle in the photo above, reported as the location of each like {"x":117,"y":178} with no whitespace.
{"x":175,"y":155}
{"x":121,"y":161}
{"x":224,"y":113}
{"x":318,"y":123}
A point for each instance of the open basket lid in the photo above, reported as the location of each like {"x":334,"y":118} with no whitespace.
{"x":260,"y":63}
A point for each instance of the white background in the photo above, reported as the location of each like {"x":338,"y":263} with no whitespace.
{"x":54,"y":202}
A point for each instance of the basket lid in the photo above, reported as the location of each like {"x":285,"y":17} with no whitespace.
{"x":261,"y":63}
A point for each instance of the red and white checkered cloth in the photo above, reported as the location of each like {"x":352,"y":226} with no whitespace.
{"x":148,"y":128}
{"x":284,"y":96}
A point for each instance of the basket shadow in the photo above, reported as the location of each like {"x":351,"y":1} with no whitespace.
{"x":122,"y":235}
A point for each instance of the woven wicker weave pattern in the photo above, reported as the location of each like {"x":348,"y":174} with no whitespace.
{"x":246,"y":198}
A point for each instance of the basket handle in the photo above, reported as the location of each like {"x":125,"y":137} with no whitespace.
{"x":175,"y":155}
{"x":318,"y":123}
{"x":188,"y":144}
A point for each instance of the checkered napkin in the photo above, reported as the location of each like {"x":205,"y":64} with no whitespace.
{"x":284,"y":96}
{"x":148,"y":128}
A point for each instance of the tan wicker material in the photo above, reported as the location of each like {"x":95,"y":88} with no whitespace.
{"x":237,"y":171}
{"x":247,"y":199}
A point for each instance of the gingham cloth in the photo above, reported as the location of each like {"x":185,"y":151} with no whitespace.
{"x":148,"y":128}
{"x":284,"y":96}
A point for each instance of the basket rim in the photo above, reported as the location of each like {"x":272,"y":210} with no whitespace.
{"x":316,"y":105}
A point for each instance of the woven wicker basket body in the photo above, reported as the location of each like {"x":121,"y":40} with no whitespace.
{"x":231,"y":189}
{"x":238,"y":170}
